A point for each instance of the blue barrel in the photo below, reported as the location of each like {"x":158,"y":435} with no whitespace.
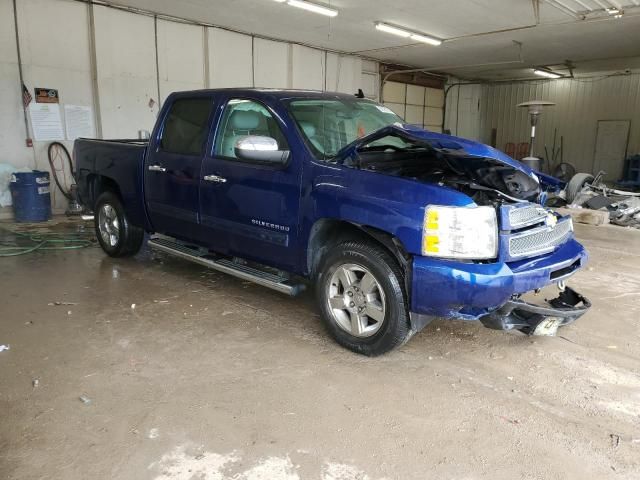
{"x":31,"y":196}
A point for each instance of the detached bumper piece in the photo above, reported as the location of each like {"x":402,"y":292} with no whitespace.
{"x":535,"y":319}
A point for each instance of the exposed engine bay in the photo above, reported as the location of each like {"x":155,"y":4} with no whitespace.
{"x":485,"y":180}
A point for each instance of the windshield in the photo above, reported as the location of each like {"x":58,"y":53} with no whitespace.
{"x":330,"y":125}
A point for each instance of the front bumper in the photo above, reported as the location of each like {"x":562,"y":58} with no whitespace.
{"x":471,"y":291}
{"x":534,"y":319}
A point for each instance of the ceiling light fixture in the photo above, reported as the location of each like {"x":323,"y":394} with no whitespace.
{"x":383,"y":27}
{"x":404,"y":33}
{"x":546,"y":73}
{"x":426,"y":39}
{"x":615,"y":12}
{"x":313,"y":7}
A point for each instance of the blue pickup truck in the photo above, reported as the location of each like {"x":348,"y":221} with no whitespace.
{"x":393,"y":225}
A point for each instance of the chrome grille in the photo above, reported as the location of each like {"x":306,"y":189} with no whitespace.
{"x":538,"y":241}
{"x":527,"y":215}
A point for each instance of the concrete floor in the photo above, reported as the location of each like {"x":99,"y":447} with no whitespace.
{"x":212,"y":378}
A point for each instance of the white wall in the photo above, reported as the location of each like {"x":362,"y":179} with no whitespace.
{"x":370,"y":79}
{"x":43,"y":66}
{"x":230,"y":59}
{"x":181,"y":50}
{"x":129,"y":85}
{"x":271,"y":64}
{"x":12,"y":130}
{"x":307,"y":68}
{"x":344,"y":73}
{"x":126,"y":68}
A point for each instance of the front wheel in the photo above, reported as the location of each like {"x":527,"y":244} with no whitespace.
{"x":117,"y":237}
{"x":360,"y":290}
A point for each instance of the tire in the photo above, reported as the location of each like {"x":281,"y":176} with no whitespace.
{"x":117,"y":237}
{"x":575,"y":185}
{"x":386,"y":300}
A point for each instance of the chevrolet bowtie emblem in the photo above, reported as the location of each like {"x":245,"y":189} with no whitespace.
{"x":552,"y":220}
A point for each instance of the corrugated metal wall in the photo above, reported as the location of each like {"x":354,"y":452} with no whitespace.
{"x":580,"y":104}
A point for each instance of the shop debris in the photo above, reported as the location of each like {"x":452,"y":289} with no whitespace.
{"x":585,"y":194}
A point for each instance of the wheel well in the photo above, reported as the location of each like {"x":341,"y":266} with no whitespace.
{"x":328,"y":232}
{"x":99,"y":184}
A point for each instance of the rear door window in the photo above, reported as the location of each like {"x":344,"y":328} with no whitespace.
{"x":186,"y":126}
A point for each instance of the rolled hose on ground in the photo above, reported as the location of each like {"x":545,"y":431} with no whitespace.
{"x":55,"y":150}
{"x":42,"y":241}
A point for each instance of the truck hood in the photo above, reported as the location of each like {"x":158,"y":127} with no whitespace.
{"x":438,"y":141}
{"x":483,"y":165}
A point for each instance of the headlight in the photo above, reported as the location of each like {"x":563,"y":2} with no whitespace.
{"x":460,"y":232}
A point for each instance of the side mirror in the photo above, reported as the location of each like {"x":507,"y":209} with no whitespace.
{"x":260,"y":149}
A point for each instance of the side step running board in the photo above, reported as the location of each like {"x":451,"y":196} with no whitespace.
{"x":274,"y":281}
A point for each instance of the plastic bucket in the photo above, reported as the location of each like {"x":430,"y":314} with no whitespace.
{"x":533,"y":163}
{"x":31,"y":196}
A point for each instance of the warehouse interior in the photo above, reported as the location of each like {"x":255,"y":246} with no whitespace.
{"x":154,"y":367}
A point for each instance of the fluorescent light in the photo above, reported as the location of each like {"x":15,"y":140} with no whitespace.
{"x":404,"y":33}
{"x":313,"y":7}
{"x":615,"y":12}
{"x":393,"y":30}
{"x":546,"y":73}
{"x":425,"y":39}
{"x":280,"y":1}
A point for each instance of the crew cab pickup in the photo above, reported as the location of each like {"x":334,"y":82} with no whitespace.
{"x":393,"y":225}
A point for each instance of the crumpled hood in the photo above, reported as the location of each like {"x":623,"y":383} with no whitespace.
{"x":438,"y":141}
{"x":450,"y":142}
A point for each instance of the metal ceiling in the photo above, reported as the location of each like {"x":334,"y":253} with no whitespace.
{"x":483,"y":39}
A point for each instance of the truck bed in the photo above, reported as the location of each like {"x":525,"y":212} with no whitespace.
{"x":119,"y":162}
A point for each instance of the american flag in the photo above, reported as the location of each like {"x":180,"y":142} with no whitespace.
{"x":26,"y":96}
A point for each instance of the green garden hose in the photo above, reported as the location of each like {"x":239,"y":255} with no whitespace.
{"x":32,"y":240}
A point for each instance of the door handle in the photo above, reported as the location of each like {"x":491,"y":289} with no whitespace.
{"x":215,"y":178}
{"x":157,"y":168}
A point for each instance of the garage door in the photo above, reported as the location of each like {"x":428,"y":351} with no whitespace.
{"x":416,"y":104}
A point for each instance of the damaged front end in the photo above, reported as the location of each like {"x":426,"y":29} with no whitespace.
{"x":484,"y":174}
{"x":455,"y":276}
{"x":534,"y":319}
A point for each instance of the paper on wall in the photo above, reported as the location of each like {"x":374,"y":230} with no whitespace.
{"x":46,"y":121}
{"x":78,"y":121}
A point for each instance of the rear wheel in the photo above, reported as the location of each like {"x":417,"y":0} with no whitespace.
{"x":117,"y":237}
{"x":361,"y":296}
